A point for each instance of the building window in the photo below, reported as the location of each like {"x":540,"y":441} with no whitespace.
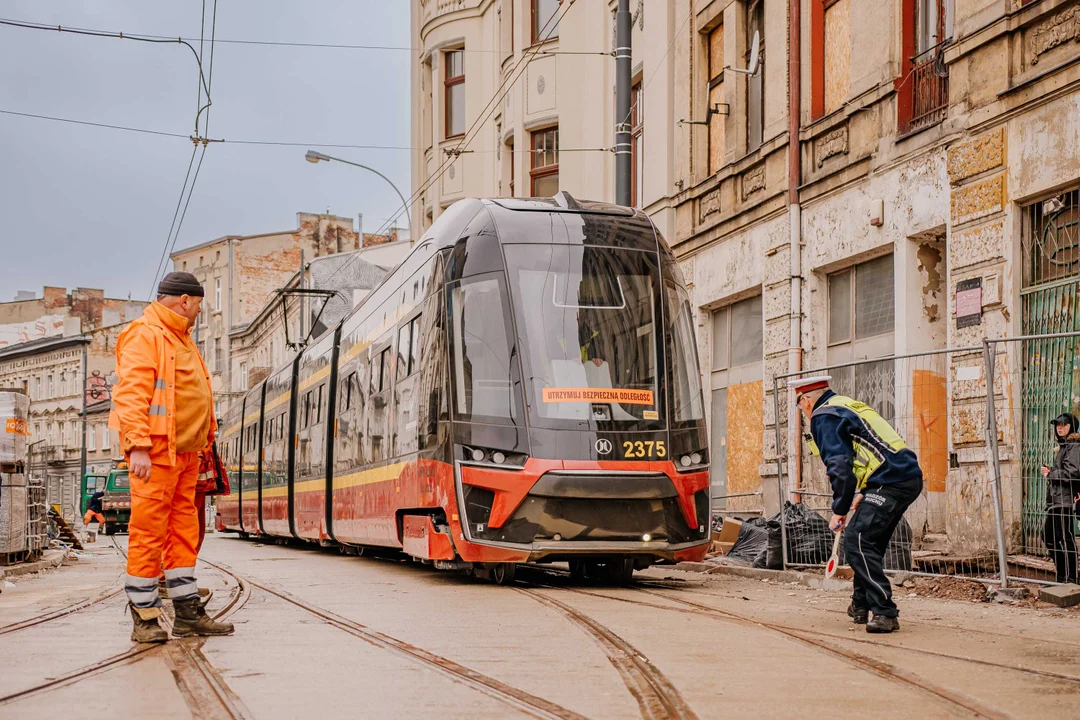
{"x":243,"y":376}
{"x":219,"y":355}
{"x":510,"y":153}
{"x":716,"y":97}
{"x":106,"y":437}
{"x":91,"y":438}
{"x":506,"y":29}
{"x":544,"y":25}
{"x":50,"y":391}
{"x":454,"y":95}
{"x":217,"y":293}
{"x":830,"y":60}
{"x":755,"y":84}
{"x":737,"y":334}
{"x":637,"y":129}
{"x":862,"y":318}
{"x":201,"y":260}
{"x":545,"y":162}
{"x":183,"y":266}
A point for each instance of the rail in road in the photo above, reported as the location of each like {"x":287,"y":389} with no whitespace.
{"x":205,"y":692}
{"x":833,"y":644}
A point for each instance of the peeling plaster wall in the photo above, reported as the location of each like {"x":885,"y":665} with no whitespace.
{"x":837,"y":233}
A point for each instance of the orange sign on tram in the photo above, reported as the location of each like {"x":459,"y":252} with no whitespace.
{"x":624,"y":396}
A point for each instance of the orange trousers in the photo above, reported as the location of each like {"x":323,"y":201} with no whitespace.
{"x":91,"y":516}
{"x":163,"y":532}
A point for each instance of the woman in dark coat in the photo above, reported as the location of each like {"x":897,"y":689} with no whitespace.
{"x":1062,"y":482}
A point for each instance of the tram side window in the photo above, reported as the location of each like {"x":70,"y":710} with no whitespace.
{"x":377,"y":411}
{"x":406,"y":431}
{"x":686,"y":381}
{"x":318,"y":405}
{"x":432,"y":359}
{"x":480,"y":350}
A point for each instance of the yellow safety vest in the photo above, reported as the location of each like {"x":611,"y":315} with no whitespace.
{"x":868,"y":455}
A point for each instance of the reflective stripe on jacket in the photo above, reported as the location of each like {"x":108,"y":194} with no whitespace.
{"x":144,"y":398}
{"x":858,"y":446}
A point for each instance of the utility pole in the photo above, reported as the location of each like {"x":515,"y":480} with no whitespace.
{"x":82,"y":453}
{"x":623,"y":165}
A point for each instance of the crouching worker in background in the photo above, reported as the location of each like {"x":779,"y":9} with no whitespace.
{"x":163,"y":411}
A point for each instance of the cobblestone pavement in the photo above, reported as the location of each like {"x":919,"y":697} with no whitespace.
{"x":324,"y":635}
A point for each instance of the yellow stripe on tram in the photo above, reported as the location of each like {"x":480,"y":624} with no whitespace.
{"x":316,"y":377}
{"x":364,"y":477}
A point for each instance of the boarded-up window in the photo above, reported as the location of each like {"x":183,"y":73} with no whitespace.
{"x":716,"y":95}
{"x":837,"y":54}
{"x":736,"y":389}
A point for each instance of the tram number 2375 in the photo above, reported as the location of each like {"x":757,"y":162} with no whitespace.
{"x":644,"y":449}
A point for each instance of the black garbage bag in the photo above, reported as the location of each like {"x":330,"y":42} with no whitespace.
{"x":809,"y":539}
{"x":752,"y":542}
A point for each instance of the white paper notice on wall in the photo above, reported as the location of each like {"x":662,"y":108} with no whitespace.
{"x":969,"y":372}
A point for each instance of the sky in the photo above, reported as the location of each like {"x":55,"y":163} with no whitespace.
{"x":91,"y":207}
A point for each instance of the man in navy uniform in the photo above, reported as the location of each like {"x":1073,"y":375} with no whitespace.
{"x":863,"y":455}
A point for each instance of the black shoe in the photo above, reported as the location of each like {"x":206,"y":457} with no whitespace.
{"x":859,"y":616}
{"x":882,"y":624}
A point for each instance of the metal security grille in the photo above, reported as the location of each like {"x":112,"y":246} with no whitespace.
{"x":1051,"y":299}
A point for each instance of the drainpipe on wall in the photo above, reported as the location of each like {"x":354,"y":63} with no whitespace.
{"x":795,"y":242}
{"x":228,"y":327}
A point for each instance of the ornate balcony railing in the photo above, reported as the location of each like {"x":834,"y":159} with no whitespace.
{"x":929,"y":89}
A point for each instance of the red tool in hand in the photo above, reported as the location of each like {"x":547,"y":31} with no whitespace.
{"x":834,"y":559}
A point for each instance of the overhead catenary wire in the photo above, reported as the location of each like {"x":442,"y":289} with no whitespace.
{"x":122,"y":36}
{"x":453,"y":153}
{"x":268,"y":143}
{"x":298,"y":44}
{"x":172,"y":225}
{"x":485,"y":113}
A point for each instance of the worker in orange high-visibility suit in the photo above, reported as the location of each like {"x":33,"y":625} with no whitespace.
{"x":163,"y":411}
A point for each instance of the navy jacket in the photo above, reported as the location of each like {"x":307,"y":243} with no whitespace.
{"x":833,"y":431}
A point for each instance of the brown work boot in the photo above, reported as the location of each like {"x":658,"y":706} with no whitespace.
{"x":146,"y":628}
{"x":191,"y":619}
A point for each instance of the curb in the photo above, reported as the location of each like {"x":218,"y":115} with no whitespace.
{"x":809,"y":580}
{"x":52,"y":559}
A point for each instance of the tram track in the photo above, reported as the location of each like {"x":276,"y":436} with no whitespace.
{"x":521,"y":700}
{"x":874,"y":666}
{"x":657,"y":697}
{"x":67,"y":610}
{"x":692,"y":590}
{"x":207,"y":695}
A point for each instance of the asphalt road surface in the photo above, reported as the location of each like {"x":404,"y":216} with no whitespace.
{"x":322,"y":635}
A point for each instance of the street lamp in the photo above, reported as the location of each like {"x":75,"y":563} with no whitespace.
{"x":313,"y":157}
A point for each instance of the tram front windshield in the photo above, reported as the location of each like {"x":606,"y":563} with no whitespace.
{"x":587,"y":320}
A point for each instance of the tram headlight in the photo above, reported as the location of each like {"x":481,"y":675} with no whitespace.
{"x":478,"y":455}
{"x":498,"y":458}
{"x":686,"y":461}
{"x":695,"y":458}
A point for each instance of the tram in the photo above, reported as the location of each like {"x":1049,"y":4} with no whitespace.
{"x":522,"y":388}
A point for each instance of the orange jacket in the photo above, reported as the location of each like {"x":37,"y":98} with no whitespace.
{"x":145,"y":397}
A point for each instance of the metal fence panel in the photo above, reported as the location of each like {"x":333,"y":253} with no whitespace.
{"x":1038,"y":379}
{"x":936,"y":401}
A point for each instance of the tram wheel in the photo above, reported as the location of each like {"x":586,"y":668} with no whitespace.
{"x":619,"y":572}
{"x":503,"y":573}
